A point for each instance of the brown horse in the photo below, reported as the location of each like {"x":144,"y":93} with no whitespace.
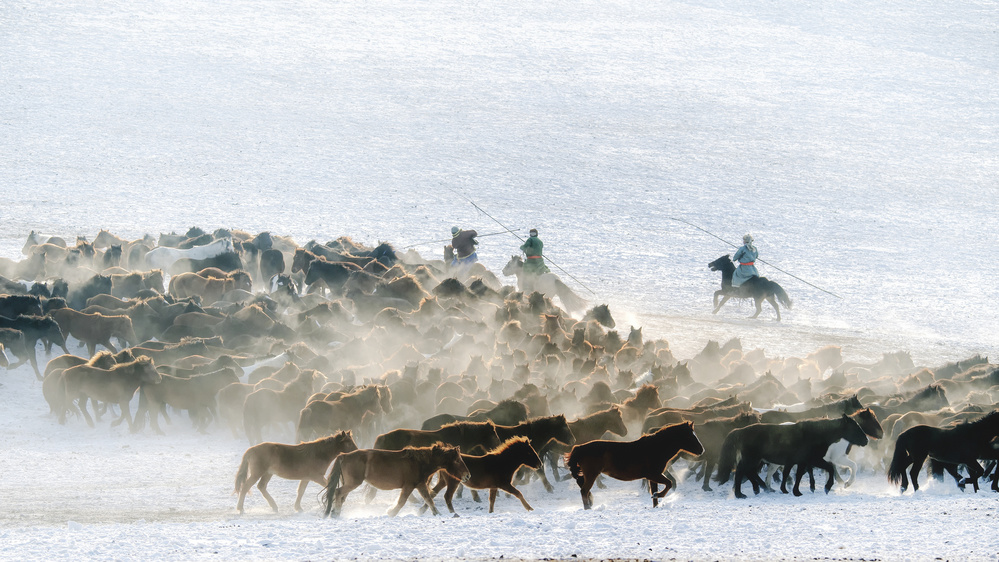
{"x":586,"y":429}
{"x":493,"y":471}
{"x":52,"y":388}
{"x":461,"y":434}
{"x":116,"y":385}
{"x":265,"y":406}
{"x":307,"y":462}
{"x":210,"y":289}
{"x":646,"y":457}
{"x":195,"y":394}
{"x":322,"y":417}
{"x":408,"y":469}
{"x":93,"y":329}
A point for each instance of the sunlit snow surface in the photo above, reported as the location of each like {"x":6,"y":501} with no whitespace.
{"x":857,"y":141}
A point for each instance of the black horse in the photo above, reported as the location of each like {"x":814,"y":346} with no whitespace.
{"x":802,"y":443}
{"x":961,"y":444}
{"x":756,"y":288}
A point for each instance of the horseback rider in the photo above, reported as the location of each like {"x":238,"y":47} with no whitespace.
{"x":462,"y":247}
{"x":532,"y":247}
{"x":745,"y":256}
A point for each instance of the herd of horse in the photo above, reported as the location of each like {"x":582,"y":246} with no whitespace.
{"x":456,"y":380}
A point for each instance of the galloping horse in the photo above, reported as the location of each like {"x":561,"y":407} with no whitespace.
{"x":408,"y":469}
{"x":960,"y":444}
{"x":646,"y":457}
{"x":756,"y":288}
{"x":547,"y":284}
{"x":306,"y":462}
{"x":801,"y":443}
{"x":162,"y":257}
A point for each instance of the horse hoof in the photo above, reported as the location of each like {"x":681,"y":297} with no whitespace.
{"x":455,"y":516}
{"x":797,"y":493}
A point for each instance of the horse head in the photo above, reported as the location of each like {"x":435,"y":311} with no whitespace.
{"x":852,"y":431}
{"x":722,"y":263}
{"x":513,"y":267}
{"x":869,"y":423}
{"x":600,"y":313}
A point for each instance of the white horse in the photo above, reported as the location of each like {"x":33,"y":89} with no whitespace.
{"x":162,"y":257}
{"x":36,"y":239}
{"x":548,"y":284}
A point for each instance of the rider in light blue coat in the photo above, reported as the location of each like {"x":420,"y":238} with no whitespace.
{"x":745,"y":257}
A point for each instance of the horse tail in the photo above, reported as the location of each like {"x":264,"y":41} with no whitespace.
{"x":901,"y":459}
{"x":243,"y":472}
{"x":332,"y":486}
{"x":726,"y":461}
{"x":781,"y":295}
{"x":570,"y":300}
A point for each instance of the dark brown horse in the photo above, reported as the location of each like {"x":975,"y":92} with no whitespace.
{"x":507,"y":412}
{"x":646,"y":457}
{"x":493,"y":471}
{"x":586,"y":429}
{"x":756,"y":288}
{"x":960,"y":444}
{"x":408,"y":470}
{"x":307,"y":462}
{"x":466,"y":435}
{"x":802,"y":443}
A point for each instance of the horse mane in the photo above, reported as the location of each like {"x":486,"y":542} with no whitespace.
{"x":140,"y":360}
{"x":101,"y":357}
{"x":986,"y":420}
{"x":509,"y":443}
{"x":645,"y":392}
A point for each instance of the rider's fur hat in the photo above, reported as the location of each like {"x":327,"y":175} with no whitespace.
{"x":534,"y":232}
{"x":747,"y":239}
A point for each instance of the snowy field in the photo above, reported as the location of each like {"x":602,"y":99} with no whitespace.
{"x":857,"y":141}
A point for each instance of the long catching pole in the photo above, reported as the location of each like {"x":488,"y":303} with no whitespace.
{"x":448,"y":239}
{"x":549,"y":260}
{"x":757,"y":259}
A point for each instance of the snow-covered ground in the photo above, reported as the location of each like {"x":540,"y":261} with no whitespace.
{"x":857,"y":141}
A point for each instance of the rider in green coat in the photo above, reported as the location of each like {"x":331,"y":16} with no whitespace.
{"x":532,"y":247}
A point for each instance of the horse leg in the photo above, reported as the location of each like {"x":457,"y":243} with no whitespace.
{"x":740,"y":474}
{"x":262,"y":486}
{"x":452,"y":485}
{"x":784,"y":477}
{"x":369,"y":496}
{"x":508,"y":488}
{"x":828,"y":467}
{"x":422,"y":489}
{"x":407,"y":490}
{"x":656,"y":479}
{"x":250,"y":481}
{"x":709,"y":467}
{"x":301,"y":493}
{"x":798,"y":475}
{"x":852,"y":467}
{"x":975,"y":472}
{"x":811,"y":478}
{"x":773,"y":303}
{"x":917,"y":465}
{"x":759,"y":307}
{"x":719,"y":305}
{"x":86,"y":414}
{"x":585,"y":484}
{"x":544,"y":480}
